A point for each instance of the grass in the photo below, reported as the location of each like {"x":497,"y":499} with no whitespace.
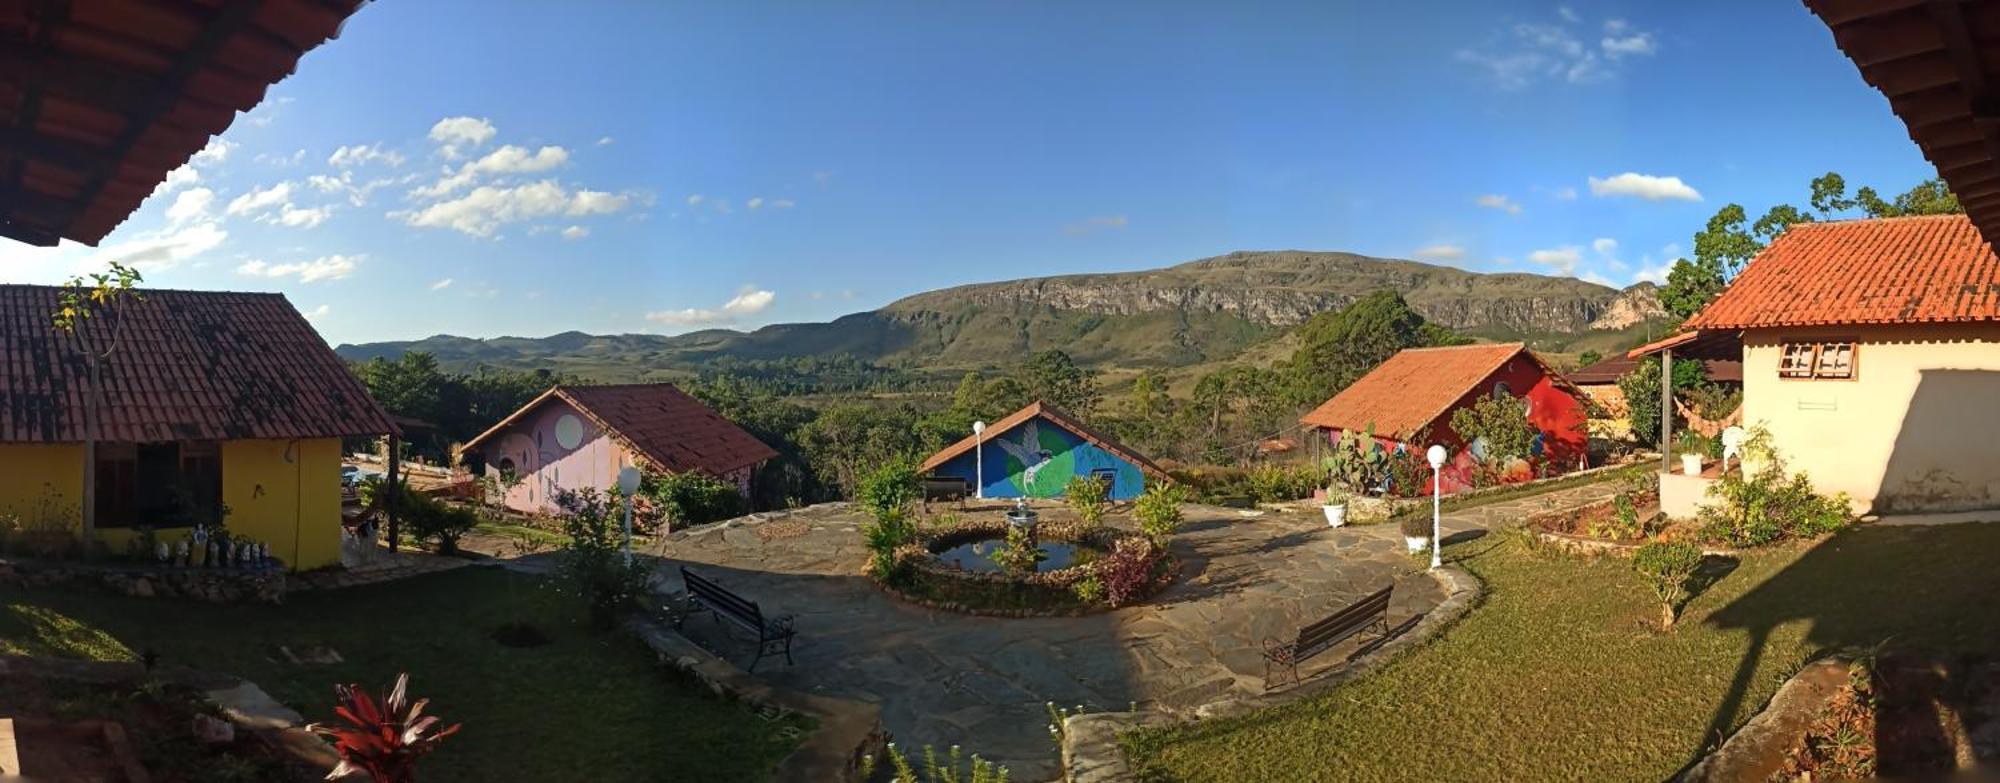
{"x":513,"y":530}
{"x":1559,"y":674}
{"x":586,"y":706}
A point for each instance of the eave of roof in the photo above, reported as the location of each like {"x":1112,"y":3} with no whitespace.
{"x":1495,"y":355}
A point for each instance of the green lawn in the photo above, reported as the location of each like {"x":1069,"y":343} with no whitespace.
{"x":584,"y":707}
{"x":1555,"y":674}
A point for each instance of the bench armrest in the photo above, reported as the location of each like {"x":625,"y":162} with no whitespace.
{"x":1278,"y":650}
{"x":782,"y":624}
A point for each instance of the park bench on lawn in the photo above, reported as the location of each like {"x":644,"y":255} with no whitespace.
{"x":774,"y":635}
{"x":1370,"y":612}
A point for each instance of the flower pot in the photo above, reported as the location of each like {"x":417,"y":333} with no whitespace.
{"x":1336,"y":514}
{"x":1416,"y":543}
{"x":1691,"y":464}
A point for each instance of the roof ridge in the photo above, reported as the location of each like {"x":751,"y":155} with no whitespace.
{"x":143,"y":290}
{"x":1515,"y":345}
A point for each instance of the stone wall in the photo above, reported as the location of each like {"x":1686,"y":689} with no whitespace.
{"x":214,"y":585}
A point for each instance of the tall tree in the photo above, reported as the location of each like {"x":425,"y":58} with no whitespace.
{"x":89,"y":311}
{"x":1054,"y":378}
{"x":1339,"y":346}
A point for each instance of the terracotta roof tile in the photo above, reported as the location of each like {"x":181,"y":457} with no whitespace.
{"x":190,"y":365}
{"x":1403,"y":395}
{"x":666,"y":426}
{"x":1880,"y":271}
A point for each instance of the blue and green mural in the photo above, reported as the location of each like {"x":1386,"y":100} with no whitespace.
{"x":1037,"y":458}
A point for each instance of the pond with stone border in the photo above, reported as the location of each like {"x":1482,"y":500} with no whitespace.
{"x":1082,"y":569}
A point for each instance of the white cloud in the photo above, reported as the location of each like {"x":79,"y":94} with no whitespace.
{"x":1442,"y":251}
{"x":452,"y":133}
{"x":1530,"y":52}
{"x":1561,"y":260}
{"x":1656,"y":274}
{"x":359,"y":154}
{"x":1565,"y":194}
{"x":260,"y":200}
{"x":332,"y":267}
{"x":296,"y":217}
{"x":1593,"y":277}
{"x":604,"y":141}
{"x":297,"y":157}
{"x":191,"y":204}
{"x":754,"y":202}
{"x":189,"y":173}
{"x":267,"y":112}
{"x":162,"y":249}
{"x":695,"y":199}
{"x":1645,"y":186}
{"x":1605,"y":246}
{"x":180,"y":177}
{"x":1112,"y":222}
{"x":485,"y":209}
{"x":575,"y":232}
{"x":214,"y":152}
{"x":441,"y":284}
{"x":748,"y":301}
{"x":318,"y":312}
{"x":1499,"y":202}
{"x":506,"y":160}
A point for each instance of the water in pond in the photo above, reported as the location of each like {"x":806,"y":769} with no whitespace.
{"x":978,"y":555}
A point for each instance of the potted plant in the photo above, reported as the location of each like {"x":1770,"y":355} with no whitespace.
{"x":1692,"y":448}
{"x":1416,"y":532}
{"x":1334,"y":505}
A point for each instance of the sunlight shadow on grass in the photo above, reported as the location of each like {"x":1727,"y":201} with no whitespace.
{"x":48,"y":632}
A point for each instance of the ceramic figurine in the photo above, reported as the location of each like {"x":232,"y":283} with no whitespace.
{"x":181,"y":552}
{"x":210,"y":559}
{"x":163,"y":552}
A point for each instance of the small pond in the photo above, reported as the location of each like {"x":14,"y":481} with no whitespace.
{"x":978,"y":555}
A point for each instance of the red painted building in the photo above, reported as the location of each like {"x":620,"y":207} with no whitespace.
{"x":1408,"y":401}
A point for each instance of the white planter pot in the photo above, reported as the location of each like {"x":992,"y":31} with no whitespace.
{"x":1691,"y":464}
{"x":1336,"y":515}
{"x":1417,"y":543}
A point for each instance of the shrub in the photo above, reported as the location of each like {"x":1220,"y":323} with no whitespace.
{"x":1088,"y":497}
{"x":1277,"y":483}
{"x":434,"y":520}
{"x":1770,"y":505}
{"x":1502,"y":423}
{"x":593,"y":566}
{"x":1128,"y":571}
{"x":384,"y":740}
{"x":1089,"y":589}
{"x":891,"y":487}
{"x":1669,"y":568}
{"x":1623,"y":523}
{"x":1415,"y":525}
{"x":954,"y":768}
{"x":1358,"y":463}
{"x":890,"y":530}
{"x":1159,"y":512}
{"x":690,"y":498}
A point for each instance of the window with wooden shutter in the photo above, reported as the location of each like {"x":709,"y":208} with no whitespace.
{"x":1824,"y":360}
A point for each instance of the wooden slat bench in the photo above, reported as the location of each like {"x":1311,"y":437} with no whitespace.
{"x":952,"y":490}
{"x":1281,"y":656}
{"x":774,"y":635}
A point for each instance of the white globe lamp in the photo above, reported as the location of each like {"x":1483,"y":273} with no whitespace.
{"x":1436,"y":455}
{"x":628,"y":485}
{"x":978,"y":461}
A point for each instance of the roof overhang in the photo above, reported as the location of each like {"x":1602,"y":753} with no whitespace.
{"x":99,"y":100}
{"x":1713,"y":344}
{"x":1926,"y":57}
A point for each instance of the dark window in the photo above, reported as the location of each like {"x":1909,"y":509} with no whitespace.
{"x":1107,"y":475}
{"x":158,"y":484}
{"x":1502,"y":391}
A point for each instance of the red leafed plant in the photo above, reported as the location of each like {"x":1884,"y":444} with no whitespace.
{"x":384,"y":740}
{"x":1128,"y":571}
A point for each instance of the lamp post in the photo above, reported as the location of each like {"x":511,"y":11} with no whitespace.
{"x":978,"y":461}
{"x":1436,"y":455}
{"x":628,"y":485}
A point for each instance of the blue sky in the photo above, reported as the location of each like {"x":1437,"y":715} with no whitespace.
{"x":496,"y":168}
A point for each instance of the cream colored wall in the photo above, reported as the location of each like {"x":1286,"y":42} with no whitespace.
{"x":1918,"y":429}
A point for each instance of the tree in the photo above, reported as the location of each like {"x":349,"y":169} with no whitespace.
{"x":1339,"y":346}
{"x":1691,"y":285}
{"x":1588,"y":358}
{"x":88,"y":310}
{"x":1641,"y":387}
{"x":1054,"y":378}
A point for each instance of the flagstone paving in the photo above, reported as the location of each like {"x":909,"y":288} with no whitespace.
{"x":980,"y":682}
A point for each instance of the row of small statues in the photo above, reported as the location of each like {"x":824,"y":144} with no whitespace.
{"x":200,"y":549}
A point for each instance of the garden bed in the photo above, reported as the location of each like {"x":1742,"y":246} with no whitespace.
{"x":128,"y":730}
{"x":925,"y":577}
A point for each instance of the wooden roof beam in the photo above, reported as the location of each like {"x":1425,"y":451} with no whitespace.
{"x":1978,"y":91}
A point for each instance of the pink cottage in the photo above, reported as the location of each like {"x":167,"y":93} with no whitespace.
{"x":576,"y":437}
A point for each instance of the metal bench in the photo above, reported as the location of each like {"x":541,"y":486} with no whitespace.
{"x":1369,"y":612}
{"x":951,"y":490}
{"x":773,"y":635}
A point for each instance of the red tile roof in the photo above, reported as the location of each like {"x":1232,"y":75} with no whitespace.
{"x":1052,"y":414}
{"x":1880,"y":271}
{"x":189,"y":365}
{"x":662,"y":424}
{"x":1405,"y":394}
{"x":99,"y":99}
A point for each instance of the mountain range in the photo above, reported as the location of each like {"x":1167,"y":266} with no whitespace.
{"x":1191,"y":313}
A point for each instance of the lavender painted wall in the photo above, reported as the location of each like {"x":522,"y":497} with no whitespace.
{"x":554,"y":448}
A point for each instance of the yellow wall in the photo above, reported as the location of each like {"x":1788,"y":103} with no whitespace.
{"x":1918,"y":429}
{"x":294,"y":506}
{"x":38,"y":481}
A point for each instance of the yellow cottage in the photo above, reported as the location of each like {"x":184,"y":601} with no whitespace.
{"x":215,"y":407}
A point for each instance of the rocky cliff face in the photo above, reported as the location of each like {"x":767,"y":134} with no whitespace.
{"x":1287,"y":287}
{"x":1633,"y":305}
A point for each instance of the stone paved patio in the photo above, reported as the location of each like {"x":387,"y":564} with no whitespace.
{"x":944,"y":678}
